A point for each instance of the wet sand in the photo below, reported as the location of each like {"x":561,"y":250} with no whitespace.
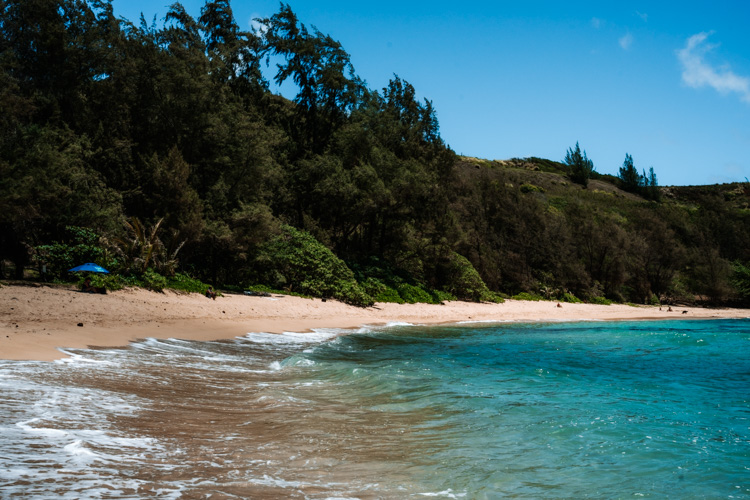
{"x":35,"y":321}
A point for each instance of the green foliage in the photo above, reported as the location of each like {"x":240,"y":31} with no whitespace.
{"x":579,"y":166}
{"x":142,"y":249}
{"x":741,"y":279}
{"x":153,"y":280}
{"x":442,"y":296}
{"x":109,"y":282}
{"x":628,"y":174}
{"x":381,"y":292}
{"x":412,"y":294}
{"x":174,"y":129}
{"x":644,"y":184}
{"x":601,"y":301}
{"x":81,"y":246}
{"x":185,"y":283}
{"x":530,"y":188}
{"x":527,"y":296}
{"x":306,"y":266}
{"x":570,"y":298}
{"x":463,"y":281}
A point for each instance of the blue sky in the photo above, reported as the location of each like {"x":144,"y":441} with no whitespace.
{"x":667,"y":83}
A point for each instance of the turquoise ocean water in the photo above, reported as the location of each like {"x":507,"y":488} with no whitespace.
{"x":542,"y":410}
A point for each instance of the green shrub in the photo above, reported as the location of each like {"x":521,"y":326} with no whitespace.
{"x":527,"y":296}
{"x":442,"y":296}
{"x":414,"y":294}
{"x":185,"y":283}
{"x":389,"y":295}
{"x":741,"y":279}
{"x":153,"y":280}
{"x":601,"y":301}
{"x":373,"y":286}
{"x":463,"y":281}
{"x":530,"y":188}
{"x":107,"y":281}
{"x":570,"y":298}
{"x":81,"y":246}
{"x":495,"y":297}
{"x":307,"y":266}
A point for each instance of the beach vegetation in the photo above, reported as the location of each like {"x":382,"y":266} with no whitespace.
{"x":527,"y":296}
{"x":741,"y":279}
{"x":463,"y":281}
{"x":413,"y":294}
{"x":78,"y":246}
{"x":300,"y":263}
{"x":183,"y":282}
{"x":161,"y":153}
{"x":570,"y":298}
{"x":153,"y":280}
{"x":389,"y":295}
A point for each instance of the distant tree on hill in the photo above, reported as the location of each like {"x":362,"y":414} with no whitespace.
{"x":644,"y":184}
{"x":579,"y":166}
{"x":650,"y":185}
{"x":629,"y":177}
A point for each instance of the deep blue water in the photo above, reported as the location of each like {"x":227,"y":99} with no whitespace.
{"x":562,"y":410}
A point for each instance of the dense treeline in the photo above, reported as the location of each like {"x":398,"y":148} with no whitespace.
{"x":157,"y":150}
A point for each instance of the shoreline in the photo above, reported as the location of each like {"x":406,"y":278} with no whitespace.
{"x":37,"y":321}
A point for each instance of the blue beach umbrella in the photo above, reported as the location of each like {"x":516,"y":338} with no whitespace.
{"x":89,"y":266}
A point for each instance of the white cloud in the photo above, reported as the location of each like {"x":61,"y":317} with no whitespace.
{"x":697,"y":72}
{"x":596,"y":22}
{"x":257,"y":26}
{"x":626,"y":41}
{"x":642,"y":15}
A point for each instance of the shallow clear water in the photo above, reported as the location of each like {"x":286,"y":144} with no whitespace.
{"x":565,"y":410}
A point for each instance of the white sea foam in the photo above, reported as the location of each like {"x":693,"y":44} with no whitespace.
{"x":75,"y":358}
{"x":490,"y":321}
{"x":392,"y":324}
{"x":272,"y":481}
{"x":77,"y":449}
{"x":290,"y":338}
{"x":42,"y":431}
{"x":447,"y":493}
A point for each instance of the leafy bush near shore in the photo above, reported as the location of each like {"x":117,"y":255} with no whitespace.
{"x":79,"y":246}
{"x":741,"y":279}
{"x":442,"y":296}
{"x":107,"y":281}
{"x":463,"y":280}
{"x":153,"y":280}
{"x":389,"y":295}
{"x":570,"y":298}
{"x":601,"y":301}
{"x":185,"y":283}
{"x":527,"y":296}
{"x":300,"y":263}
{"x":412,"y":294}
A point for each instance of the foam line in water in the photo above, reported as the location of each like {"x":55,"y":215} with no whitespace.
{"x":40,"y":430}
{"x":77,"y":449}
{"x":288,"y":338}
{"x":489,"y":321}
{"x":75,"y":358}
{"x":447,"y":494}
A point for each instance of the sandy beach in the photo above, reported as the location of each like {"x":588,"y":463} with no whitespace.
{"x":35,"y":321}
